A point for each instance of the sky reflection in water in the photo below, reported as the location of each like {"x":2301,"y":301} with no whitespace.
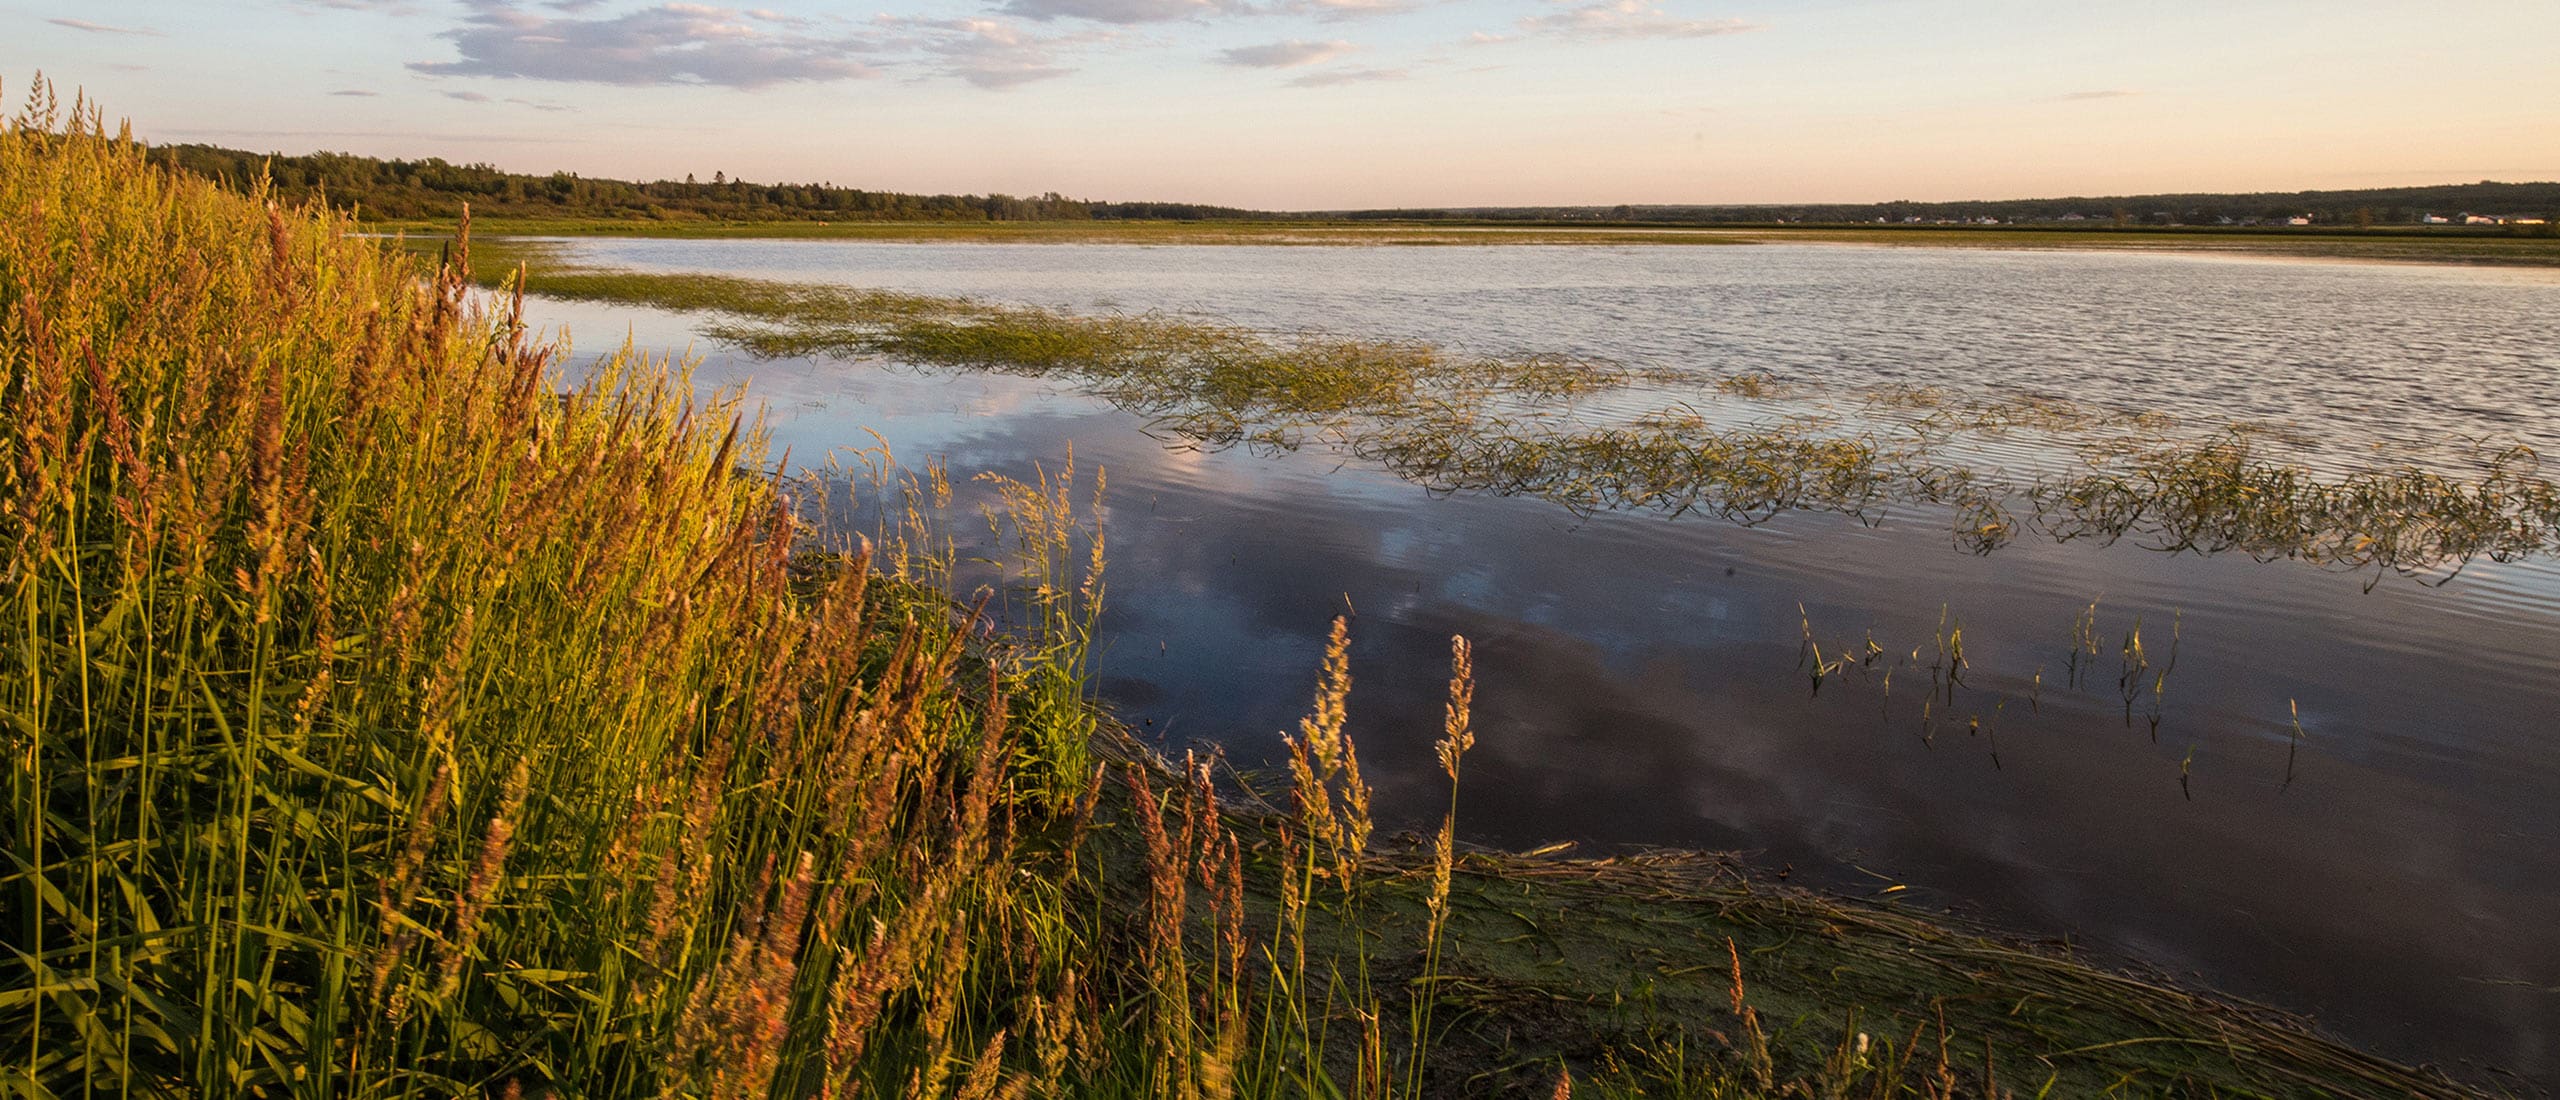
{"x":1640,"y":684}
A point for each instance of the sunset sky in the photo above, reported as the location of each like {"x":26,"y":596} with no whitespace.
{"x":1328,"y":104}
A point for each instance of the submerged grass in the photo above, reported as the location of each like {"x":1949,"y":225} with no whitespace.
{"x":1504,"y":425}
{"x":378,"y":721}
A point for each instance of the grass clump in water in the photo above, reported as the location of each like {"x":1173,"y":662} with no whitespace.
{"x":1506,"y":425}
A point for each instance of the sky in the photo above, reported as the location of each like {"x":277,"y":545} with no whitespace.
{"x":1341,"y":104}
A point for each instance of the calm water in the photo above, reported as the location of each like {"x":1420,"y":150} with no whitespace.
{"x":2409,"y":361}
{"x":1640,"y":681}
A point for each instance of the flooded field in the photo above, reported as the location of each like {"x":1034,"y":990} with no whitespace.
{"x":2329,"y":789}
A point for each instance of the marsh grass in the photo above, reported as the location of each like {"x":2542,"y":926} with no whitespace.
{"x":379,"y":721}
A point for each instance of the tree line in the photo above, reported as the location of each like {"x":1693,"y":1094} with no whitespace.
{"x":2359,"y":208}
{"x":432,"y":188}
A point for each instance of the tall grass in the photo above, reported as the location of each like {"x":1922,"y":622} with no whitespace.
{"x":379,"y":722}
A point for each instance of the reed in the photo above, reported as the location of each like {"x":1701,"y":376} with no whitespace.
{"x":381,"y":720}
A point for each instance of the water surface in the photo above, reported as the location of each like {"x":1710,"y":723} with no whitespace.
{"x":1642,"y":680}
{"x":2402,"y":361}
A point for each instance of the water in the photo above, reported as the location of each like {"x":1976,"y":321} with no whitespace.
{"x":1640,"y":678}
{"x":2405,"y":361}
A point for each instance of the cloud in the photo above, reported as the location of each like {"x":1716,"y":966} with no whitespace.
{"x":387,"y":7}
{"x":476,"y":97}
{"x":2107,"y":93}
{"x":686,"y":43}
{"x":1621,"y":19}
{"x":989,"y":53}
{"x":101,"y":28}
{"x":1484,"y":38}
{"x":1336,"y":10}
{"x":357,"y":92}
{"x":1333,"y":77}
{"x":1285,"y":55}
{"x":1122,"y":12}
{"x":672,"y":43}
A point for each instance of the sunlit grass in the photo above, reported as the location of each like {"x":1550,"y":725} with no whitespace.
{"x":380,"y":721}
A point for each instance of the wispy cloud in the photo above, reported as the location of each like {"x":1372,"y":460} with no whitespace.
{"x":1336,"y":10}
{"x":1332,"y":77}
{"x":685,"y":43}
{"x":668,"y":44}
{"x":2105,"y":93}
{"x":101,"y":28}
{"x":1123,"y":12}
{"x":477,"y":97}
{"x":394,"y":7}
{"x":1628,"y":19}
{"x":355,"y":92}
{"x":1285,"y":55}
{"x":989,"y":53}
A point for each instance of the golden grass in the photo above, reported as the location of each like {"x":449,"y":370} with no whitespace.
{"x":379,"y":721}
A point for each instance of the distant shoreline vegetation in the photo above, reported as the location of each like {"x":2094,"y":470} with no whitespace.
{"x":431,"y":188}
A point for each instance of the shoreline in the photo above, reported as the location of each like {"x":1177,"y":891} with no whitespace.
{"x":1616,"y":966}
{"x":2401,"y":246}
